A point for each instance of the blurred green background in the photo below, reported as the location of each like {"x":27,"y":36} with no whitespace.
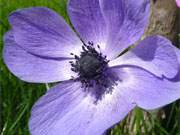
{"x":17,"y":97}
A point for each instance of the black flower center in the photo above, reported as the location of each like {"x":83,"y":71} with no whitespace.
{"x":93,"y":71}
{"x":90,"y":65}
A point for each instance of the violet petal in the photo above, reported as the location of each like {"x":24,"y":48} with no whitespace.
{"x":41,"y":31}
{"x":68,"y":110}
{"x":114,"y":25}
{"x":126,"y":21}
{"x":87,"y":19}
{"x":155,"y":54}
{"x":33,"y":68}
{"x":148,"y":91}
{"x":54,"y":105}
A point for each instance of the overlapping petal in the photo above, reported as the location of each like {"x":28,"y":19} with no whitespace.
{"x":114,"y":25}
{"x":55,"y":104}
{"x":34,"y":68}
{"x":126,"y":21}
{"x":41,"y":31}
{"x":149,"y":91}
{"x":87,"y":19}
{"x":68,"y":110}
{"x":155,"y":54}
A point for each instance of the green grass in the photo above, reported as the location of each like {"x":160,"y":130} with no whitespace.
{"x":17,"y":97}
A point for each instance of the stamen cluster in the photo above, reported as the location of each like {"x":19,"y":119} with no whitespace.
{"x":90,"y":66}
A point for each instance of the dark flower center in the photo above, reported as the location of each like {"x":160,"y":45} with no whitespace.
{"x":93,"y":72}
{"x":90,"y":65}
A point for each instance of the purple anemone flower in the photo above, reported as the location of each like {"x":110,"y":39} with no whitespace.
{"x":101,"y":80}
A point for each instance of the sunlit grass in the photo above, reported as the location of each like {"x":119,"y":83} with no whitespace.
{"x":17,"y":97}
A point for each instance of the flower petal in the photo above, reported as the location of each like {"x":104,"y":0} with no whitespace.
{"x":33,"y":68}
{"x":155,"y":54}
{"x":87,"y":19}
{"x":69,"y":110}
{"x":178,"y":3}
{"x":114,"y":25}
{"x":147,"y":90}
{"x":126,"y":21}
{"x":41,"y":31}
{"x":55,"y":104}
